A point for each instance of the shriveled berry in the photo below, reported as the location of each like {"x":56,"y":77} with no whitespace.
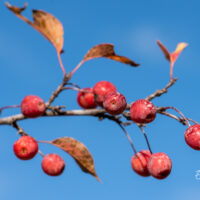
{"x":32,"y":106}
{"x":53,"y":164}
{"x":86,"y":99}
{"x":101,"y":89}
{"x":114,"y":103}
{"x":142,"y":111}
{"x":192,"y":136}
{"x":159,"y":165}
{"x":25,"y":148}
{"x":139,"y":162}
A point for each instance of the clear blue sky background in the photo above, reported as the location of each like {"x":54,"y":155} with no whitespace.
{"x":29,"y":66}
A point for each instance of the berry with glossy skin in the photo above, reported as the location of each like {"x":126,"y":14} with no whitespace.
{"x":192,"y":136}
{"x":25,"y":148}
{"x":159,"y":165}
{"x":101,"y":89}
{"x":114,"y":103}
{"x":32,"y":106}
{"x":86,"y":99}
{"x":140,"y":161}
{"x":53,"y":164}
{"x":142,"y":111}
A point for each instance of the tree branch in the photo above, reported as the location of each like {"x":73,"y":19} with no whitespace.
{"x":101,"y":113}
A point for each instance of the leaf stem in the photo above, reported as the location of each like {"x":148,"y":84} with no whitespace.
{"x":61,"y":64}
{"x":77,"y":67}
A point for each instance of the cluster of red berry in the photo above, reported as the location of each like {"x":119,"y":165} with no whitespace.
{"x":142,"y":111}
{"x":104,"y":94}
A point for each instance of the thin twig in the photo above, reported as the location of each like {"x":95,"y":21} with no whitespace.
{"x":58,"y":90}
{"x":178,"y":111}
{"x":158,"y":93}
{"x":181,"y":120}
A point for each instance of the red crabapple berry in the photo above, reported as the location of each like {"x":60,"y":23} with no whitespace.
{"x":32,"y":106}
{"x":143,"y":111}
{"x":101,"y":89}
{"x":53,"y":164}
{"x":192,"y":136}
{"x":114,"y":103}
{"x":159,"y":165}
{"x":139,"y":162}
{"x":25,"y":148}
{"x":86,"y":99}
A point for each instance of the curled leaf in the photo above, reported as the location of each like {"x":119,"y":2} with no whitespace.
{"x":164,"y":50}
{"x":79,"y":152}
{"x":49,"y":26}
{"x":107,"y":51}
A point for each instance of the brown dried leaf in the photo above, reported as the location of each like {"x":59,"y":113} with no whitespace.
{"x":49,"y":26}
{"x":107,"y":51}
{"x":79,"y":152}
{"x":164,"y":50}
{"x":15,"y":9}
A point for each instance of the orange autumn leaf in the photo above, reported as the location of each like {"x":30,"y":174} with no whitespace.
{"x":49,"y":26}
{"x":79,"y":152}
{"x":177,"y":52}
{"x":107,"y":51}
{"x":172,"y":57}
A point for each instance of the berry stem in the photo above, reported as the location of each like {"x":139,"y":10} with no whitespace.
{"x":71,"y":88}
{"x":145,"y":135}
{"x":77,"y":89}
{"x":12,"y":106}
{"x":41,"y":153}
{"x":128,"y":136}
{"x":178,"y":111}
{"x":75,"y":85}
{"x":19,"y":129}
{"x":195,"y":122}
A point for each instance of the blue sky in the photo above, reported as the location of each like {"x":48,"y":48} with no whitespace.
{"x":29,"y":66}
